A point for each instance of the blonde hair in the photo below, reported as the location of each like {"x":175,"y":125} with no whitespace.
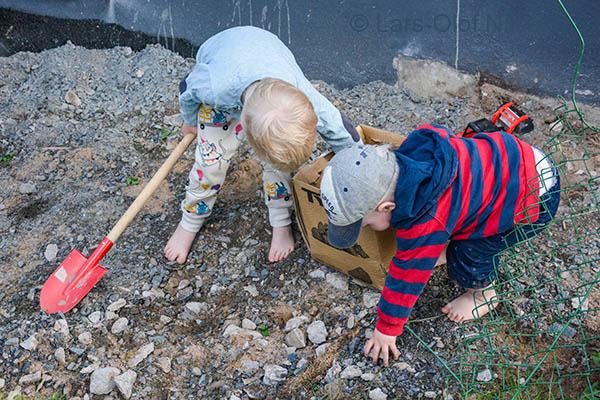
{"x":280,"y":123}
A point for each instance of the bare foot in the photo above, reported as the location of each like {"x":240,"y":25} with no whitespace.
{"x":474,"y":303}
{"x":179,"y":244}
{"x":282,"y":243}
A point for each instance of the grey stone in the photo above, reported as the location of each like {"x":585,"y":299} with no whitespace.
{"x":424,"y":77}
{"x":101,"y":380}
{"x":274,"y":375}
{"x":59,"y":354}
{"x":351,"y":372}
{"x":317,"y":333}
{"x":430,"y":394}
{"x":367,"y":377}
{"x":370,"y":299}
{"x":31,"y":378}
{"x":337,"y":280}
{"x":377,"y":394}
{"x":251,"y":364}
{"x":119,"y":326}
{"x":293,"y":323}
{"x":140,"y":355}
{"x":77,"y":350}
{"x":173,"y":120}
{"x":484,"y":376}
{"x":27,"y":188}
{"x":30,"y":343}
{"x":117,"y":305}
{"x":196,"y":308}
{"x":557,"y":327}
{"x":95,"y":317}
{"x":319,"y":351}
{"x":404,"y":366}
{"x":62,"y":326}
{"x":251,"y":289}
{"x":233,"y":330}
{"x":110,"y":315}
{"x":317,"y":274}
{"x":295,"y":338}
{"x":51,"y":252}
{"x":164,"y":363}
{"x":351,"y":321}
{"x":183,"y":284}
{"x":153,"y":293}
{"x":302,"y":364}
{"x":85,"y":338}
{"x":2,"y":383}
{"x":124,"y":383}
{"x":333,"y":372}
{"x":247,"y":324}
{"x":72,"y":98}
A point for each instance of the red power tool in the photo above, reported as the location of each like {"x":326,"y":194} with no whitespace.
{"x":508,"y":118}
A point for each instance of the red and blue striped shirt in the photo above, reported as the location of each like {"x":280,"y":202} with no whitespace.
{"x":492,"y":184}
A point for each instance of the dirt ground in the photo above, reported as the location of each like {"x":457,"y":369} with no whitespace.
{"x":63,"y":183}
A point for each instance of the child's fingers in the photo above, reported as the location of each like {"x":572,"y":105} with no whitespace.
{"x":368,"y":347}
{"x":375,"y":354}
{"x":395,"y":352}
{"x":385,"y":354}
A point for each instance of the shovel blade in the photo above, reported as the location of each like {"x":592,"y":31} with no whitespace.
{"x":54,"y":296}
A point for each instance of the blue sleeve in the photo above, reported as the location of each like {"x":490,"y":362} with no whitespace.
{"x":194,"y":90}
{"x":336,"y":131}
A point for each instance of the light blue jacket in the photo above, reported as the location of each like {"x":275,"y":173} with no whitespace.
{"x":228,"y":62}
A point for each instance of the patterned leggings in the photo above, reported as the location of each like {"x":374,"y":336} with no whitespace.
{"x":219,"y":136}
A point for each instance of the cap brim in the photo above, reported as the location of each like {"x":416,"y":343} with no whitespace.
{"x":343,"y":237}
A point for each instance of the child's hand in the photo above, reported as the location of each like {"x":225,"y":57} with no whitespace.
{"x":381,"y":343}
{"x":189,"y":130}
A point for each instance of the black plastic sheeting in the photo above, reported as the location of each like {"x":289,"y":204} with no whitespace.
{"x":530,"y":44}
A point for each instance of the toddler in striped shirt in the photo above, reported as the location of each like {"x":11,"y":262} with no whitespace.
{"x":451,"y":200}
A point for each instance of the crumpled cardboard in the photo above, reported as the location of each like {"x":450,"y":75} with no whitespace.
{"x":368,"y":260}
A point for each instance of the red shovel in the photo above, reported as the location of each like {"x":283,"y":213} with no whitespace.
{"x":76,"y":276}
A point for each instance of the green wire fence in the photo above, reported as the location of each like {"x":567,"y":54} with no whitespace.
{"x":542,"y":340}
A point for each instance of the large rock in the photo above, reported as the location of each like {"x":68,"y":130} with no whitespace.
{"x":140,"y":355}
{"x":196,"y":308}
{"x":51,"y":252}
{"x":370,"y":299}
{"x":351,"y":372}
{"x":294,"y":323}
{"x":117,"y":305}
{"x":317,"y":333}
{"x":338,"y":281}
{"x":295,"y":338}
{"x":119,"y":326}
{"x":274,"y":374}
{"x":31,"y":378}
{"x":377,"y":394}
{"x":30,"y":343}
{"x":434,"y":79}
{"x":101,"y":380}
{"x":125,"y":382}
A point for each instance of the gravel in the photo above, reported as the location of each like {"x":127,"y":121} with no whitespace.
{"x":227,"y":324}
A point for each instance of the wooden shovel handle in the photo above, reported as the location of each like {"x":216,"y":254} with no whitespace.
{"x":150,"y":188}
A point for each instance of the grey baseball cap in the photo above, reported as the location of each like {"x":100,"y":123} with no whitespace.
{"x":354,"y":182}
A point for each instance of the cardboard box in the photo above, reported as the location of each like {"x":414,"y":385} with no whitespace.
{"x":369,"y":258}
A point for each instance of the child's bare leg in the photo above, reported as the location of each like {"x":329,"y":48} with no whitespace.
{"x":282,"y":243}
{"x":179,"y":245}
{"x":442,"y":258}
{"x":278,"y":198}
{"x":472,"y":304}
